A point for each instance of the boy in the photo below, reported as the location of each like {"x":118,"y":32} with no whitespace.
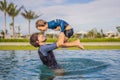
{"x":59,"y":25}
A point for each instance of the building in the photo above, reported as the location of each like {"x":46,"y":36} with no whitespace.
{"x":80,"y":34}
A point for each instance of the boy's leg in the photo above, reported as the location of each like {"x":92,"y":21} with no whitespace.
{"x":60,"y":39}
{"x":68,"y":34}
{"x":74,"y":44}
{"x":66,"y":39}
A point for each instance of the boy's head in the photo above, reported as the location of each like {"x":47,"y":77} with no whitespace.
{"x":36,"y":39}
{"x":41,"y":25}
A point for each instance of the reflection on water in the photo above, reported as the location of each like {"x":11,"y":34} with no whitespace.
{"x":7,"y":63}
{"x":92,"y":65}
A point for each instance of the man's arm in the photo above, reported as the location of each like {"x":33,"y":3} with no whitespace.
{"x":46,"y":48}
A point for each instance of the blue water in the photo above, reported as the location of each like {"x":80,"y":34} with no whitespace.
{"x":77,"y":64}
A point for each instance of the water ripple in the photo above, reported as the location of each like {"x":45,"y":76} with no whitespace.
{"x":88,"y":65}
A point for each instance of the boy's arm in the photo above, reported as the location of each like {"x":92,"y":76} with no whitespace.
{"x":61,"y":24}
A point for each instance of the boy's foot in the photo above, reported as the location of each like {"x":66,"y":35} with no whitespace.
{"x":80,"y":45}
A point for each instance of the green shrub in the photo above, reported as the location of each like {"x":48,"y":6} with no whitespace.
{"x":101,"y":40}
{"x":14,"y":40}
{"x":71,"y":39}
{"x":51,"y":40}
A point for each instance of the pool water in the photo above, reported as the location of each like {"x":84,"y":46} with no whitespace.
{"x":77,"y":65}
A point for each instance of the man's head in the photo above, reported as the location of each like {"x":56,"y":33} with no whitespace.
{"x":41,"y":25}
{"x":36,"y":39}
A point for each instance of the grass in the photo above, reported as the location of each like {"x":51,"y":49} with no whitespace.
{"x":72,"y":48}
{"x":103,"y":47}
{"x":17,"y":48}
{"x":54,"y":40}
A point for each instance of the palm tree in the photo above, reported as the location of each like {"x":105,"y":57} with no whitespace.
{"x":92,"y":33}
{"x":13,"y":12}
{"x":3,"y":7}
{"x":2,"y":33}
{"x":29,"y":15}
{"x":18,"y":27}
{"x":118,"y":28}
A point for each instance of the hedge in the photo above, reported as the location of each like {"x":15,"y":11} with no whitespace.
{"x":72,"y":39}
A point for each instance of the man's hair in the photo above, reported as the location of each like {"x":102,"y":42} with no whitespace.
{"x":41,"y":22}
{"x":33,"y":39}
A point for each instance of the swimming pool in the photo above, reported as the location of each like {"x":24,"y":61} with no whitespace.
{"x":77,"y":64}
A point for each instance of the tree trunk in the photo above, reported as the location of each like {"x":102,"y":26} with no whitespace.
{"x":5,"y":24}
{"x":13,"y":31}
{"x":29,"y":26}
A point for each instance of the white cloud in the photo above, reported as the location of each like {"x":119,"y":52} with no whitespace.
{"x":56,"y":1}
{"x":104,"y":13}
{"x":98,"y":13}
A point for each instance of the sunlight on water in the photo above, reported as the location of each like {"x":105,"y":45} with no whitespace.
{"x":77,"y":65}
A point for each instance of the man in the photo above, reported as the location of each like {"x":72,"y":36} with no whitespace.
{"x":46,"y":50}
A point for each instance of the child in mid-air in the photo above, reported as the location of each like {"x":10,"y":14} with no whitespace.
{"x":59,"y":25}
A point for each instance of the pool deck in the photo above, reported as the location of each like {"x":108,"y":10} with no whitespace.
{"x":84,"y":43}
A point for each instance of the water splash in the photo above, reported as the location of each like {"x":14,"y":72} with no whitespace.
{"x":78,"y":66}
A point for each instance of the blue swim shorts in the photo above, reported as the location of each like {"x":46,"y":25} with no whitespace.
{"x":69,"y":33}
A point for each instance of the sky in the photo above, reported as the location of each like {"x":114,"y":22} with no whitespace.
{"x":82,"y":15}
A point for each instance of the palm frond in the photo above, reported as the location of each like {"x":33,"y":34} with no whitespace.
{"x":29,"y":14}
{"x":1,"y":8}
{"x":3,"y":5}
{"x":12,"y":10}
